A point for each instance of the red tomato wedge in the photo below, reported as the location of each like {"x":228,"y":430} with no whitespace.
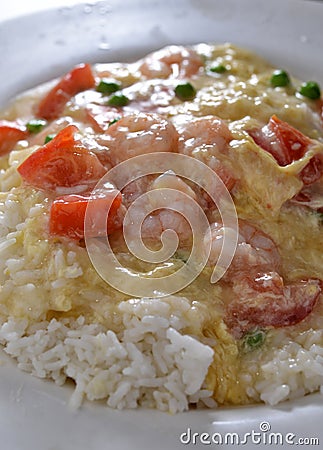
{"x":63,"y":162}
{"x":281,"y":140}
{"x":287,"y":144}
{"x":10,"y":134}
{"x":77,"y":80}
{"x":67,"y":214}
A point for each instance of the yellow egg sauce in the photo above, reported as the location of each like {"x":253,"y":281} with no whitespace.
{"x":57,"y":270}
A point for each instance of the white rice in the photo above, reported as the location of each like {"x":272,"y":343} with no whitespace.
{"x":291,"y":369}
{"x":152,"y":363}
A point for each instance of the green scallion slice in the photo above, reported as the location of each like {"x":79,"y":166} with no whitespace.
{"x":280,"y":78}
{"x":118,"y":100}
{"x":48,"y":138}
{"x":185,"y":92}
{"x":253,"y":340}
{"x":311,"y":90}
{"x":108,"y":87}
{"x":220,"y":68}
{"x":35,"y":125}
{"x":114,"y":121}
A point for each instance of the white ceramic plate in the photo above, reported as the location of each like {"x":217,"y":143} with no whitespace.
{"x":33,"y":413}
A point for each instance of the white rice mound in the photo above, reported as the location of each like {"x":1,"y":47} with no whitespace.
{"x":151,"y":363}
{"x":291,"y":369}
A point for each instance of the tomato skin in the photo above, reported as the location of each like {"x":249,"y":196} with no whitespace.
{"x":61,"y":163}
{"x":293,"y":142}
{"x":281,"y":140}
{"x":286,"y":145}
{"x":10,"y":134}
{"x":67,"y":214}
{"x":77,"y":80}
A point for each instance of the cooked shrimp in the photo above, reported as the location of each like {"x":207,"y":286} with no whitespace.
{"x":255,"y":249}
{"x":173,"y":61}
{"x":205,"y":139}
{"x":155,"y":224}
{"x":138,"y":134}
{"x":204,"y":134}
{"x":100,"y":117}
{"x":136,"y":188}
{"x":153,"y":215}
{"x":171,"y":181}
{"x":151,"y":96}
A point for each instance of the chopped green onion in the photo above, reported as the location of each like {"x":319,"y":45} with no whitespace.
{"x":118,"y":100}
{"x":185,"y":91}
{"x":108,"y":87}
{"x":220,"y":68}
{"x":253,"y":340}
{"x":114,"y":121}
{"x":35,"y":125}
{"x":48,"y":138}
{"x":311,"y":90}
{"x":280,"y":78}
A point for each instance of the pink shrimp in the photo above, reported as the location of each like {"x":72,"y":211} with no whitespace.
{"x":135,"y":188}
{"x":173,"y":61}
{"x":205,"y":139}
{"x":154,"y":225}
{"x":255,"y":249}
{"x":101,"y":117}
{"x":161,"y":218}
{"x":154,"y":96}
{"x":261,"y":298}
{"x":138,"y":134}
{"x":207,"y":133}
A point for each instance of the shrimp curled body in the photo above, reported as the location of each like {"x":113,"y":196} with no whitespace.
{"x":160,"y":219}
{"x":139,"y":134}
{"x":255,"y":249}
{"x":173,"y":61}
{"x":206,"y":139}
